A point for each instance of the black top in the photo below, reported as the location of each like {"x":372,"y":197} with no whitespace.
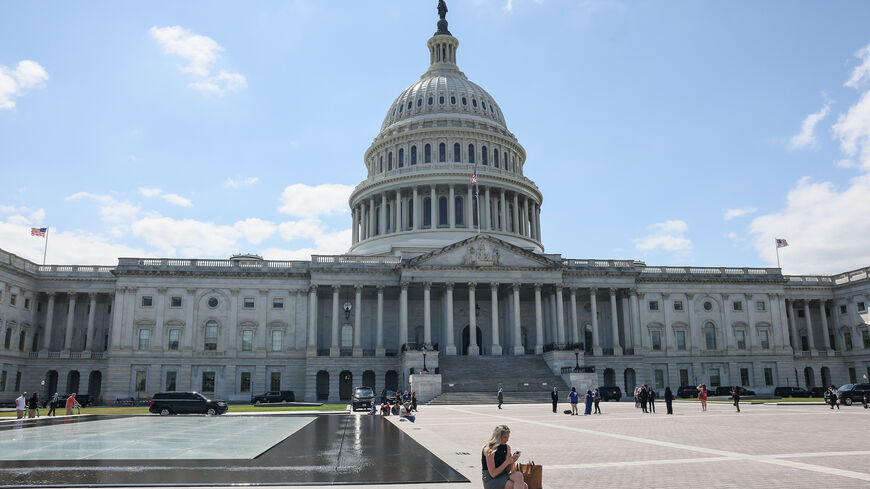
{"x":33,"y":403}
{"x":554,"y":396}
{"x":499,"y":457}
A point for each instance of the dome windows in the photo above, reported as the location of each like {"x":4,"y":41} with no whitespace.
{"x":457,"y":153}
{"x":400,"y":109}
{"x":474,"y":103}
{"x":471,"y":153}
{"x":381,"y":164}
{"x":464,"y":101}
{"x":390,"y":161}
{"x":410,"y":104}
{"x":419,"y":102}
{"x":441,"y":100}
{"x":413,"y":155}
{"x":483,"y":104}
{"x":427,"y":153}
{"x":442,"y":153}
{"x":431,"y":100}
{"x":484,"y":156}
{"x":453,"y":100}
{"x":401,"y":157}
{"x":495,"y":158}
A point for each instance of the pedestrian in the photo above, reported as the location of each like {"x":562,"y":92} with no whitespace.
{"x":498,"y":461}
{"x":383,"y":395}
{"x":831,"y":396}
{"x":71,"y":403}
{"x":669,"y":400}
{"x":554,"y":396}
{"x":588,"y":403}
{"x":644,"y":396}
{"x":573,"y":398}
{"x":414,"y":401}
{"x":20,"y":405}
{"x":637,"y":397}
{"x":596,"y":398}
{"x":33,"y":405}
{"x":500,"y":396}
{"x":735,"y":394}
{"x":52,"y":404}
{"x":702,"y":396}
{"x":651,"y":399}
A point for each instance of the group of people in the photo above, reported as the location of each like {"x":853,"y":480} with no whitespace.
{"x":645,"y":399}
{"x":592,"y":398}
{"x":404,"y":406}
{"x":30,"y":405}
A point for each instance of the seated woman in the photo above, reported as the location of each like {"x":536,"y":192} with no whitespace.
{"x":385,"y":409}
{"x":498,"y":461}
{"x":405,"y":412}
{"x":395,"y":409}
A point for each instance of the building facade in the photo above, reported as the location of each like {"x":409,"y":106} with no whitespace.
{"x":447,"y":259}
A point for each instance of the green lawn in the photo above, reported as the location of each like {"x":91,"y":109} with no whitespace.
{"x":235,"y":408}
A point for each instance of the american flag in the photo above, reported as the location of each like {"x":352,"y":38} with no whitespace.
{"x":474,"y":178}
{"x":781,"y":243}
{"x":38,"y":231}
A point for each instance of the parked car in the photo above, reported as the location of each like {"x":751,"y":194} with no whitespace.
{"x":818,"y":391}
{"x":363,"y":397}
{"x":391,"y":396}
{"x":166,"y":403}
{"x":274,"y":396}
{"x":687,"y":391}
{"x":791,"y":392}
{"x":726,"y":391}
{"x":850,"y":393}
{"x":83,"y":399}
{"x":610,"y":393}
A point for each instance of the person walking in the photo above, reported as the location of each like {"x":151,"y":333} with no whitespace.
{"x":735,"y":394}
{"x":414,"y":401}
{"x":33,"y":405}
{"x":52,"y":404}
{"x":554,"y":396}
{"x":669,"y":400}
{"x":500,"y":396}
{"x":588,"y":403}
{"x":71,"y":403}
{"x":644,"y":396}
{"x":20,"y":405}
{"x":702,"y":396}
{"x":651,"y":399}
{"x":573,"y":398}
{"x":497,"y":461}
{"x":637,"y":397}
{"x":596,"y":399}
{"x":831,"y":396}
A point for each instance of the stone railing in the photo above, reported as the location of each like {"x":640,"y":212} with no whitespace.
{"x":853,"y":276}
{"x":572,"y":263}
{"x":181,"y":264}
{"x":354,"y":260}
{"x":810,"y":280}
{"x":719,"y":272}
{"x":28,"y":266}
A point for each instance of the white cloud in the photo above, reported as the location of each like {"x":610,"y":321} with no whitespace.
{"x":853,"y":131}
{"x":806,"y":138}
{"x":13,"y":83}
{"x":305,"y":201}
{"x":199,"y":54}
{"x":150,"y":192}
{"x":240,"y":182}
{"x":178,"y":200}
{"x":509,"y":6}
{"x":732,"y":236}
{"x":66,"y":247}
{"x":734,"y":213}
{"x":667,"y":236}
{"x":861,"y":72}
{"x":255,"y":231}
{"x":111,"y":210}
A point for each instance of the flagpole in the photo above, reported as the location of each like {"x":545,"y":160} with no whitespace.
{"x":776,"y":245}
{"x":45,"y":249}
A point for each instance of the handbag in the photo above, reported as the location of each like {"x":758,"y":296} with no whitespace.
{"x":532,"y":474}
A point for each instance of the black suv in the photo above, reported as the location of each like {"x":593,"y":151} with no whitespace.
{"x":610,"y":393}
{"x":274,"y":396}
{"x":791,"y":392}
{"x":363,"y":397}
{"x":686,"y":391}
{"x":850,"y":393}
{"x":166,"y":403}
{"x":726,"y":391}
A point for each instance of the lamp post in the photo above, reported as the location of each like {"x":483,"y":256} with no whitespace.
{"x":425,"y":370}
{"x":577,"y":359}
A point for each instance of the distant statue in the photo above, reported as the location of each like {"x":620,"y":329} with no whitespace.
{"x":442,"y":9}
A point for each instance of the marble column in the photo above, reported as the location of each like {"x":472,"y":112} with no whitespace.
{"x":415,"y":211}
{"x":427,"y":315}
{"x":785,"y":323}
{"x":575,"y":333}
{"x":518,"y":332}
{"x":357,"y":321}
{"x":496,"y":346}
{"x":560,"y":315}
{"x":835,"y":315}
{"x":614,"y":314}
{"x":751,"y":337}
{"x":403,"y":314}
{"x":515,"y":215}
{"x":503,"y":214}
{"x":312,"y":320}
{"x":335,"y":339}
{"x":383,"y":224}
{"x":538,"y":222}
{"x":694,"y":329}
{"x":525,"y":216}
{"x":728,"y":328}
{"x":473,"y":348}
{"x":469,"y":209}
{"x":451,"y":207}
{"x":488,"y":217}
{"x":355,"y":234}
{"x":433,"y":207}
{"x":70,"y":319}
{"x":451,"y":346}
{"x":539,"y":321}
{"x":533,"y":227}
{"x":157,"y":343}
{"x":795,"y":339}
{"x":634,"y":307}
{"x":810,"y":333}
{"x":89,"y":336}
{"x":593,"y":305}
{"x":379,"y":335}
{"x":372,"y":219}
{"x":825,"y":330}
{"x":189,"y":310}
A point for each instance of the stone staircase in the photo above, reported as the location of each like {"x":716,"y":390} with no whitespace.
{"x":475,"y":380}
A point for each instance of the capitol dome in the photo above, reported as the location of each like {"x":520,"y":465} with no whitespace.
{"x":443,"y":167}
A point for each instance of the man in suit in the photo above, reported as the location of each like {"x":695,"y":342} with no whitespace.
{"x":554,"y":396}
{"x":500,"y":396}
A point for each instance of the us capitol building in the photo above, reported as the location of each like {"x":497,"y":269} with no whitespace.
{"x":442,"y":275}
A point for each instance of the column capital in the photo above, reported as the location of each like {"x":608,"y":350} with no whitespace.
{"x":748,"y":295}
{"x":72,"y":295}
{"x":191,"y":291}
{"x":358,"y":287}
{"x":725,"y":297}
{"x":92,"y":296}
{"x":613,"y":290}
{"x":593,"y":290}
{"x":380,"y":288}
{"x":263,"y":291}
{"x":336,"y":288}
{"x":494,"y":285}
{"x":51,"y":295}
{"x":558,"y":287}
{"x":160,"y":290}
{"x":516,"y":286}
{"x":632,"y":292}
{"x":449,"y":285}
{"x":404,"y":285}
{"x":427,"y":285}
{"x":234,"y":291}
{"x":538,"y":287}
{"x":665,"y":295}
{"x":472,"y":285}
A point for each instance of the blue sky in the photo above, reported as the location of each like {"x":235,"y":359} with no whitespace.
{"x":681,"y":133}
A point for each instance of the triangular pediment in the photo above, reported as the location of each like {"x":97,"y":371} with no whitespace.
{"x":482,"y":251}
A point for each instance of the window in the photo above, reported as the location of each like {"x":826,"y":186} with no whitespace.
{"x":247,"y":340}
{"x":760,"y":306}
{"x":245,"y":382}
{"x":277,"y":303}
{"x":744,"y":376}
{"x":144,"y":339}
{"x":170,"y":380}
{"x":380,"y":164}
{"x":212,"y":302}
{"x":8,"y":339}
{"x":175,"y":301}
{"x":39,"y":306}
{"x":442,"y":211}
{"x":861,"y":306}
{"x":21,"y":339}
{"x":741,"y":339}
{"x":27,"y":303}
{"x":484,"y":156}
{"x":710,"y":336}
{"x":275,"y":381}
{"x":678,"y":305}
{"x":715,"y":380}
{"x":414,"y":153}
{"x":249,"y":303}
{"x":277,"y":339}
{"x":847,"y":340}
{"x":141,"y":377}
{"x":684,"y":377}
{"x":427,"y":153}
{"x":660,"y":378}
{"x":3,"y":381}
{"x":471,"y":153}
{"x":431,"y":100}
{"x":14,"y":298}
{"x":495,"y":158}
{"x":865,"y":336}
{"x":211,"y":332}
{"x":427,"y":211}
{"x":458,"y":210}
{"x":457,"y":153}
{"x":174,"y":334}
{"x":843,"y":309}
{"x":146,"y":301}
{"x":653,"y":305}
{"x":410,"y":213}
{"x":207,"y":382}
{"x":853,"y":376}
{"x":805,"y":343}
{"x":453,"y":100}
{"x":347,"y":336}
{"x":708,"y":306}
{"x":474,"y":102}
{"x":800,"y":313}
{"x":765,"y":339}
{"x":768,"y":376}
{"x":401,"y":157}
{"x":681,"y":340}
{"x":441,"y":100}
{"x":738,"y":305}
{"x":17,"y":382}
{"x":656,"y":340}
{"x":389,"y":161}
{"x":464,"y":101}
{"x":419,"y":102}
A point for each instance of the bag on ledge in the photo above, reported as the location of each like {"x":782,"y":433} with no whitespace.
{"x":533,"y":475}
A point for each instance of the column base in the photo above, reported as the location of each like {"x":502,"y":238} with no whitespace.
{"x":473,"y":350}
{"x":357,"y":351}
{"x":597,"y":351}
{"x":334,"y":351}
{"x":380,"y":351}
{"x":617,"y":351}
{"x":519,"y":350}
{"x":539,"y":349}
{"x":450,"y":350}
{"x":311,"y":351}
{"x":814,"y":353}
{"x":496,"y":350}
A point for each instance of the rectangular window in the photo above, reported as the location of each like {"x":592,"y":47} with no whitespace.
{"x":208,"y":382}
{"x":653,"y":305}
{"x":768,"y":376}
{"x":277,"y":303}
{"x":738,"y":305}
{"x":760,"y":306}
{"x":847,"y":341}
{"x":249,"y":303}
{"x":805,"y":343}
{"x":141,"y":377}
{"x":710,"y":336}
{"x":38,"y":306}
{"x":660,"y":378}
{"x":861,"y":306}
{"x":3,"y":381}
{"x":211,"y":333}
{"x":656,"y":340}
{"x":21,"y":339}
{"x":27,"y":303}
{"x":175,"y":301}
{"x":144,"y":339}
{"x":800,"y":313}
{"x":827,"y":312}
{"x":741,"y":339}
{"x":147,"y":300}
{"x":275,"y":381}
{"x":744,"y":376}
{"x":843,"y":309}
{"x":765,"y":339}
{"x":678,"y":305}
{"x":715,"y":380}
{"x":170,"y":380}
{"x":174,"y":335}
{"x":14,"y":298}
{"x":245,"y":382}
{"x":853,"y":376}
{"x":18,"y":382}
{"x":277,"y":339}
{"x":681,"y":340}
{"x":684,"y":377}
{"x":247,"y":340}
{"x":865,"y":335}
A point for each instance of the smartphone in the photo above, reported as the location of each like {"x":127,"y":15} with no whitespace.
{"x":517,"y":453}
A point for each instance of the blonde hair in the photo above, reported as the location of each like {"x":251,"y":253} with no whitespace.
{"x":495,"y":439}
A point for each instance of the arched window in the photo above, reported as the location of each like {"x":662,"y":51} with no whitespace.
{"x":471,"y":153}
{"x":427,"y":153}
{"x":474,"y":102}
{"x":442,"y":153}
{"x":388,"y":218}
{"x":464,"y":101}
{"x":457,"y":206}
{"x":377,"y":220}
{"x":410,"y":213}
{"x":484,"y":155}
{"x":710,"y":336}
{"x":427,"y":212}
{"x":441,"y":100}
{"x":347,"y":336}
{"x":457,"y":153}
{"x":442,"y":211}
{"x":390,"y":161}
{"x":211,"y":335}
{"x":413,"y":155}
{"x":401,"y":157}
{"x":495,"y":158}
{"x":431,"y":100}
{"x":410,"y":104}
{"x":419,"y":102}
{"x":380,"y":164}
{"x":453,"y":100}
{"x":507,"y":162}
